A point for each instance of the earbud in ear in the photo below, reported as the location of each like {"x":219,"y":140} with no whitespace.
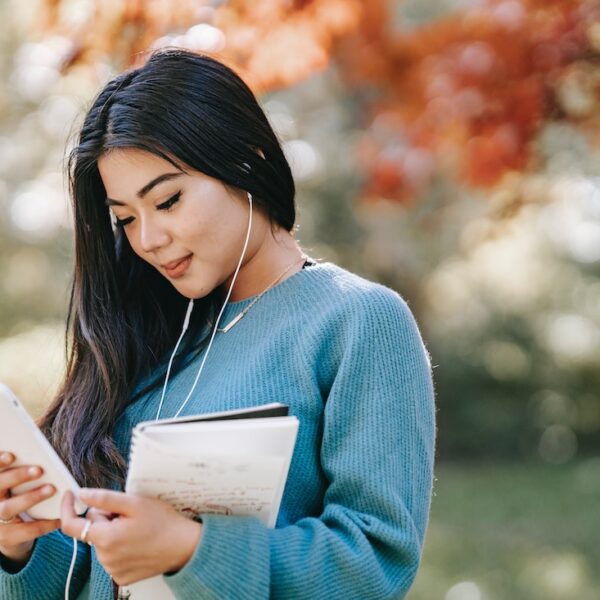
{"x":249,"y":197}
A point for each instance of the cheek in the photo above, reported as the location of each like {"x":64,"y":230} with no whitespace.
{"x":212,"y":231}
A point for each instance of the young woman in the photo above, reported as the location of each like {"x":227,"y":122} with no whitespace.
{"x":181,"y":192}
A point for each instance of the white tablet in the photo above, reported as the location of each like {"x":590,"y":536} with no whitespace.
{"x":23,"y":438}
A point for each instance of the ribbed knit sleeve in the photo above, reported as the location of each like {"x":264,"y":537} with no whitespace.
{"x":45,"y":574}
{"x":377,"y":454}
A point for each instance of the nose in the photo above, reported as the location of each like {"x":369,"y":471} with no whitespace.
{"x":152,"y":235}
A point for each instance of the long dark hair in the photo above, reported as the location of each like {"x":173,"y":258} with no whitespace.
{"x":124,"y":317}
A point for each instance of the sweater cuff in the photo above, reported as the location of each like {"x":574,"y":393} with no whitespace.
{"x":44,"y":576}
{"x":230,"y":562}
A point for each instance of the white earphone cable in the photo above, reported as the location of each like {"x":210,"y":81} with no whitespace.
{"x":185,"y":326}
{"x":216,"y":324}
{"x":72,"y":566}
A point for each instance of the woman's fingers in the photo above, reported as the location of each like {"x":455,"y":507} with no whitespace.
{"x":73,"y":525}
{"x":110,"y":501}
{"x":12,"y":476}
{"x":67,"y":507}
{"x":21,"y":531}
{"x":70,"y":524}
{"x":16,"y":533}
{"x":14,"y":505}
{"x":6,"y":459}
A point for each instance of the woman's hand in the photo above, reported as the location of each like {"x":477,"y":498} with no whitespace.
{"x":135,"y":537}
{"x":17,"y":536}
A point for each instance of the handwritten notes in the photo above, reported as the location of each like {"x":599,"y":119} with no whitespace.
{"x":206,"y":484}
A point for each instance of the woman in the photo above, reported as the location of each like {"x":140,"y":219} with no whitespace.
{"x":179,"y":155}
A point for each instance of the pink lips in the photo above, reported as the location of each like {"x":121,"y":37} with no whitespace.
{"x":180,"y":268}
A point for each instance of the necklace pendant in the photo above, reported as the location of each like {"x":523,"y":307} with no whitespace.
{"x":238,"y":317}
{"x":232,"y":323}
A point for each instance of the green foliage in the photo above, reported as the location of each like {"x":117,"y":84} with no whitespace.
{"x":514,"y":531}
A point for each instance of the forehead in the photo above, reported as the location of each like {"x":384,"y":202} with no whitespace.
{"x":127,"y":170}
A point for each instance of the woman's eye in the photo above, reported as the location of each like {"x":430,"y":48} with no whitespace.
{"x":170,"y":202}
{"x":164,"y":206}
{"x":123,"y":222}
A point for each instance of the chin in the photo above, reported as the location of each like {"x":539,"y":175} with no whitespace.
{"x":192,"y":290}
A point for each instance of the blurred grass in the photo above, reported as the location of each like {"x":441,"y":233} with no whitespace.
{"x":513,"y":532}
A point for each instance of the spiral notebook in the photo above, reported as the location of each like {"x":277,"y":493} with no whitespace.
{"x":227,"y":463}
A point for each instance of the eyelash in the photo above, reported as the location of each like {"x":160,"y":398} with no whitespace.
{"x":164,"y":206}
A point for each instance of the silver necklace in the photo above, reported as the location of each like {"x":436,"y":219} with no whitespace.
{"x":242,"y":314}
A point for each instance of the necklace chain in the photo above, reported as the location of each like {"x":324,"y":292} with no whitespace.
{"x":242,"y":314}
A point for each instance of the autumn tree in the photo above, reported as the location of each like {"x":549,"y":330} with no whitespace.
{"x":465,"y":95}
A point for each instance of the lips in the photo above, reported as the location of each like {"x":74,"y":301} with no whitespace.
{"x":178,"y":267}
{"x":174,"y":263}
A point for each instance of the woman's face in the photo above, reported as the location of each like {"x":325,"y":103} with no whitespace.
{"x":168,"y":215}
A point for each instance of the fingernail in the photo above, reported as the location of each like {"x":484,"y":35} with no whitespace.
{"x":6,"y":457}
{"x":33,"y":471}
{"x":47,"y":490}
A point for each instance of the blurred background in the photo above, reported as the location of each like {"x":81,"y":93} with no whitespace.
{"x":446,"y":148}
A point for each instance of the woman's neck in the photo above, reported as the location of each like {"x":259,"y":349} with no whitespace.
{"x":278,"y":252}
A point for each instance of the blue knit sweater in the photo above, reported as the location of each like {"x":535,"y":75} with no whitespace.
{"x":346,"y":355}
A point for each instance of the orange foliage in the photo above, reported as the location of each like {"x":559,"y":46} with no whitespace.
{"x":301,"y":35}
{"x":465,"y":94}
{"x":470,"y":90}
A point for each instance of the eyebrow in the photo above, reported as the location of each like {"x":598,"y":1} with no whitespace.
{"x":146,"y":189}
